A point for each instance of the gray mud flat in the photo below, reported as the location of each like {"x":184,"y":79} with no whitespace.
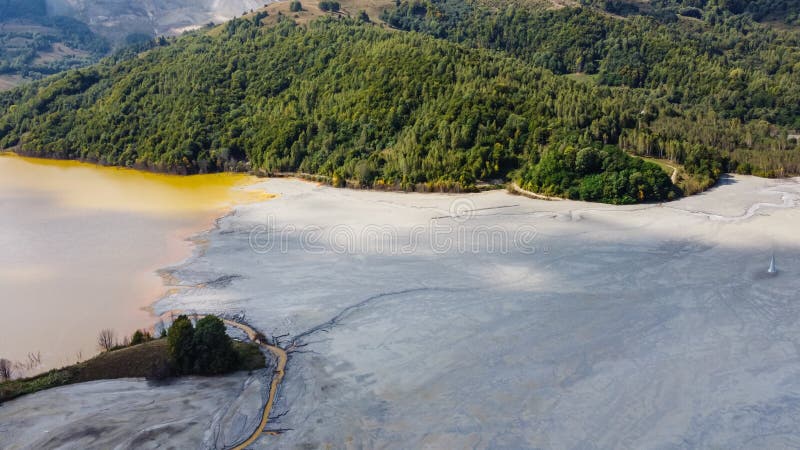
{"x":497,"y":321}
{"x":646,"y":326}
{"x":190,"y":412}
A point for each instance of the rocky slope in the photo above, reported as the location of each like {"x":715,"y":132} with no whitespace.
{"x":118,"y":18}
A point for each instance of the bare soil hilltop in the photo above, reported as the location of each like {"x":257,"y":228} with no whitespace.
{"x":118,"y":18}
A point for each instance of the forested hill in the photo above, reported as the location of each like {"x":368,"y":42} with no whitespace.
{"x":337,"y":97}
{"x":705,"y":74}
{"x":43,"y":37}
{"x":34,"y":44}
{"x":549,"y":98}
{"x":778,"y":11}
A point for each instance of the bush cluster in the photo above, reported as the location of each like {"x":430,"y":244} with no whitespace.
{"x":332,"y":6}
{"x":204,"y":349}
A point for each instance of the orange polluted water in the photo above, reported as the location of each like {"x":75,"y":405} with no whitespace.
{"x":79,"y":246}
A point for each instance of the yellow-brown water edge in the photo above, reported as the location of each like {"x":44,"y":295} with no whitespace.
{"x":80,"y":243}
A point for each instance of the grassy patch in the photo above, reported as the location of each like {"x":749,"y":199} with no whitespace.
{"x":692,"y":184}
{"x":250,"y":356}
{"x":667,"y":165}
{"x":147,"y":360}
{"x":311,"y":10}
{"x":54,"y":378}
{"x":688,"y":183}
{"x":582,"y":78}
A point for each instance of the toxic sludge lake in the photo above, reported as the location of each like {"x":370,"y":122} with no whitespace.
{"x":81,"y":245}
{"x":437,"y":321}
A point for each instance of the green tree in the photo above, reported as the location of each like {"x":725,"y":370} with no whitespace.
{"x":180,"y":341}
{"x":137,"y":338}
{"x":140,"y":337}
{"x":213,"y":348}
{"x":329,"y":6}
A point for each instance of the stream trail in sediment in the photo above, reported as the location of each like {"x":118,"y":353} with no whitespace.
{"x":604,"y":296}
{"x":281,"y":356}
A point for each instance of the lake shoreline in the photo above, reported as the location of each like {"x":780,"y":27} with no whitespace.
{"x":354,"y":185}
{"x":612,"y":296}
{"x":106,"y":232}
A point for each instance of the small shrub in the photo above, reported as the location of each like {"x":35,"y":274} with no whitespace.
{"x":6,"y":369}
{"x":140,"y":337}
{"x":332,"y":6}
{"x":295,"y":6}
{"x":249,"y":355}
{"x":180,"y":341}
{"x":105,"y":340}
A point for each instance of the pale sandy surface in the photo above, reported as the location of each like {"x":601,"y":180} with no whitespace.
{"x":648,"y":326}
{"x":190,"y":412}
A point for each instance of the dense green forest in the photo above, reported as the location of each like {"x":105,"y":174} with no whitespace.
{"x":782,"y":11}
{"x":725,"y":82}
{"x":597,"y":174}
{"x":736,"y":67}
{"x":553,"y":99}
{"x":338,"y":97}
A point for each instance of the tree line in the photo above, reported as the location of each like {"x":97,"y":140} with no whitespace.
{"x":475,"y":94}
{"x":338,"y":98}
{"x":201,"y":347}
{"x":724,"y":84}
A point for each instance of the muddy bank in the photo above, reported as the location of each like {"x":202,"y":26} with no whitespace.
{"x":498,"y":321}
{"x":191,"y":412}
{"x":580,"y":325}
{"x":81,"y":244}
